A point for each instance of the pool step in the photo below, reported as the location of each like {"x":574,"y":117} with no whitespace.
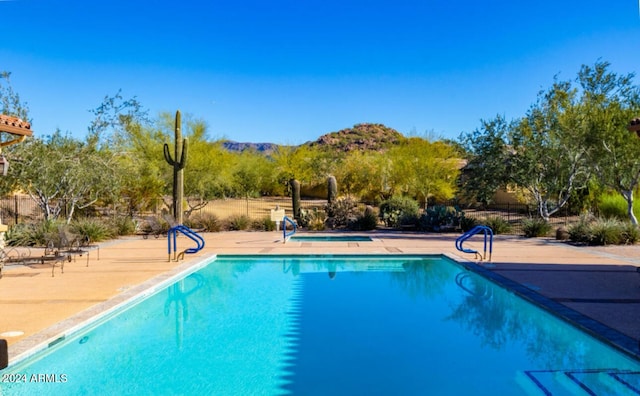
{"x":579,"y":382}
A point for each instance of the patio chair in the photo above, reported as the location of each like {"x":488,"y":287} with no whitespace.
{"x":152,"y":226}
{"x":14,"y":256}
{"x":65,"y":244}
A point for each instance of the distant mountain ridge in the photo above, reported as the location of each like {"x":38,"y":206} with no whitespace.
{"x":362,"y":137}
{"x":265,"y":148}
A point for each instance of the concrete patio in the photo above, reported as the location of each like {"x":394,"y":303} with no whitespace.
{"x":596,"y":287}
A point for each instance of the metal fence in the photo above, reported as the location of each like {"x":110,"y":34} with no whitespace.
{"x":255,"y":208}
{"x":513,"y":214}
{"x":16,"y":209}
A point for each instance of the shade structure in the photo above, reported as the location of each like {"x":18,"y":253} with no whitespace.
{"x":15,"y":126}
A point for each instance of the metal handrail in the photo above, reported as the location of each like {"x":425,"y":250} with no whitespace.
{"x":189,"y":233}
{"x":286,"y":235}
{"x":488,"y":232}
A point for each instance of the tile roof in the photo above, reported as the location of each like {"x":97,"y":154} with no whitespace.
{"x":14,"y":125}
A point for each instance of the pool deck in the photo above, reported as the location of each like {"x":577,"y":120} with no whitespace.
{"x":598,"y":287}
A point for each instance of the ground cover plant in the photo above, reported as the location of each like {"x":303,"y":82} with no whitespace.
{"x":536,"y":227}
{"x":399,"y":211}
{"x":601,"y":231}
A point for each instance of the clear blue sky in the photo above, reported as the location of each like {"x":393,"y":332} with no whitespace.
{"x":289,"y":71}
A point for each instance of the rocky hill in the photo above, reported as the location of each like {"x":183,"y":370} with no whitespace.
{"x":363,"y":137}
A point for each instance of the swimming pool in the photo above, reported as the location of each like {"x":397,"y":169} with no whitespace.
{"x":252,"y":325}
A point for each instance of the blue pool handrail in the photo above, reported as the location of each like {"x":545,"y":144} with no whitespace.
{"x":287,"y":234}
{"x":189,"y":233}
{"x":488,"y":234}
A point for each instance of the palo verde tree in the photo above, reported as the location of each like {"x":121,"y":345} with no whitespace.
{"x":609,"y":102}
{"x":486,"y":170}
{"x":251,"y":172}
{"x":61,"y":173}
{"x":549,"y":156}
{"x":424,"y":169}
{"x":208,"y":175}
{"x":360,"y":174}
{"x":117,"y":131}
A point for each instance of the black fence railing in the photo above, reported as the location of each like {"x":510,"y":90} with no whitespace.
{"x":514,"y":214}
{"x":16,"y":209}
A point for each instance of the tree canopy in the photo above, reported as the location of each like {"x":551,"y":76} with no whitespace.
{"x":574,"y":131}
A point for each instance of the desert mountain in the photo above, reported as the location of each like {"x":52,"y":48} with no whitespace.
{"x":363,"y":137}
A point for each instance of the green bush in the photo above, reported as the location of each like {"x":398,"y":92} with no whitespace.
{"x":606,"y":232}
{"x":603,"y":231}
{"x":580,"y":232}
{"x":467,"y":223}
{"x":238,"y":223}
{"x":342,"y":212}
{"x":441,"y":217}
{"x":630,"y":234}
{"x":35,"y":234}
{"x":399,"y":211}
{"x":367,"y":221}
{"x":123,"y":225}
{"x":536,"y":228}
{"x":497,"y":224}
{"x":91,"y":230}
{"x":313,"y":219}
{"x":208,"y":222}
{"x":264,"y":224}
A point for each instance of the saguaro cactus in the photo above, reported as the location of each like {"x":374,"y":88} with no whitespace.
{"x":332,"y":189}
{"x":178,"y":162}
{"x":295,"y":198}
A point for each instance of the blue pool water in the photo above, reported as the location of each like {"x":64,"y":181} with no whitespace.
{"x":329,"y":326}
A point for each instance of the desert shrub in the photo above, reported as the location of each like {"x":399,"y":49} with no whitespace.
{"x":580,"y":232}
{"x":35,"y":234}
{"x":467,"y":223}
{"x":238,"y":223}
{"x":342,"y":212}
{"x":264,"y":224}
{"x":497,"y":224}
{"x":122,"y":225}
{"x":602,"y":231}
{"x":630,"y":234}
{"x":313,"y":219}
{"x":208,"y":222}
{"x":439,"y":217}
{"x":606,"y":232}
{"x":535,"y":227}
{"x":399,"y":211}
{"x":91,"y":230}
{"x":366,"y":221}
